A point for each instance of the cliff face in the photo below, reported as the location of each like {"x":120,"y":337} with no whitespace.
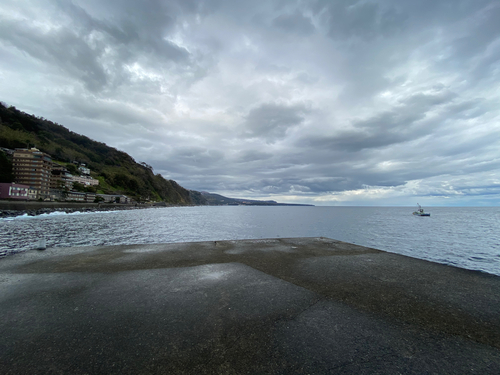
{"x":117,"y":171}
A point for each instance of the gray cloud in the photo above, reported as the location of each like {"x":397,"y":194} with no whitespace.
{"x":253,"y":156}
{"x":401,"y":124}
{"x":271,"y":120}
{"x":62,"y":48}
{"x":362,"y":19}
{"x":97,"y":51}
{"x":351,"y":102}
{"x":295,"y":23}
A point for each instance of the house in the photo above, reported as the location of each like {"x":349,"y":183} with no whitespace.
{"x":84,"y":170}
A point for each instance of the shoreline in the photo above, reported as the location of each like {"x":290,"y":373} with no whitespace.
{"x":14,"y":209}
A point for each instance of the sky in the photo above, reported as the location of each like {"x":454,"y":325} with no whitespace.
{"x":320,"y":102}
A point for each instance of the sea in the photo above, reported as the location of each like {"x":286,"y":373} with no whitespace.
{"x":466,"y":237}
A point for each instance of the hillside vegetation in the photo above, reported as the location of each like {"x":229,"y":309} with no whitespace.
{"x":117,"y":171}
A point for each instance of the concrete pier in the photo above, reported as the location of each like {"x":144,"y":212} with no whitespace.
{"x":277,"y":306}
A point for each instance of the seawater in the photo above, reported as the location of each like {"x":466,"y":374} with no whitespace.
{"x":463,"y":237}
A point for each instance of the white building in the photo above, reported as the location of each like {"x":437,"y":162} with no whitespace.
{"x":84,"y":170}
{"x":85,"y":180}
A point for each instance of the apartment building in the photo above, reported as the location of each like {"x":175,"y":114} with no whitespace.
{"x":33,"y":168}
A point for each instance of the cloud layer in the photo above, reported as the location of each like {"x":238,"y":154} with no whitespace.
{"x":323,"y":102}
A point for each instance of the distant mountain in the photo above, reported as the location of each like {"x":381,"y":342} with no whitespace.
{"x":220,"y":200}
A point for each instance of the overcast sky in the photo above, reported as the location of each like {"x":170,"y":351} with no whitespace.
{"x":335,"y":102}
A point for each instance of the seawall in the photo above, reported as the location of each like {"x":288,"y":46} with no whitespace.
{"x":36,"y":205}
{"x":16,"y":208}
{"x":301,"y":305}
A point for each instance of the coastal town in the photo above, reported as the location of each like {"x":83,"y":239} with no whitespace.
{"x":37,"y":177}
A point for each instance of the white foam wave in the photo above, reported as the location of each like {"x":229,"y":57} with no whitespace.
{"x":53,"y":214}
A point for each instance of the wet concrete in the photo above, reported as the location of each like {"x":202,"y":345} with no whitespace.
{"x":303,"y":305}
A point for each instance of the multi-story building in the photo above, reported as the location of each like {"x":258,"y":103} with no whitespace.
{"x":80,"y":197}
{"x":85,"y":180}
{"x":33,"y":168}
{"x":115,"y":198}
{"x":61,"y":178}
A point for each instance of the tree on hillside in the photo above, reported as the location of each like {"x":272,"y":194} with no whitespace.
{"x":6,"y":174}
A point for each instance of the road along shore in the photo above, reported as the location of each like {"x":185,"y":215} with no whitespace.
{"x":301,"y":305}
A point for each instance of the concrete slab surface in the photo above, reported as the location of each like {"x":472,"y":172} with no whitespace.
{"x":276,"y":306}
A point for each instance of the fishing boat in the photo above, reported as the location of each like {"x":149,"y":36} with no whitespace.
{"x":420,"y":211}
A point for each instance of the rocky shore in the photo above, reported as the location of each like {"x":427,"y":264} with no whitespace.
{"x":13,"y":209}
{"x":41,"y":211}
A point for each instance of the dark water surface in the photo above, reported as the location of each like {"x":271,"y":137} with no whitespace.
{"x":467,"y":237}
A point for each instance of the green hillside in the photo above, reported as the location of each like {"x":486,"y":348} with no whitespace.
{"x":117,"y":171}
